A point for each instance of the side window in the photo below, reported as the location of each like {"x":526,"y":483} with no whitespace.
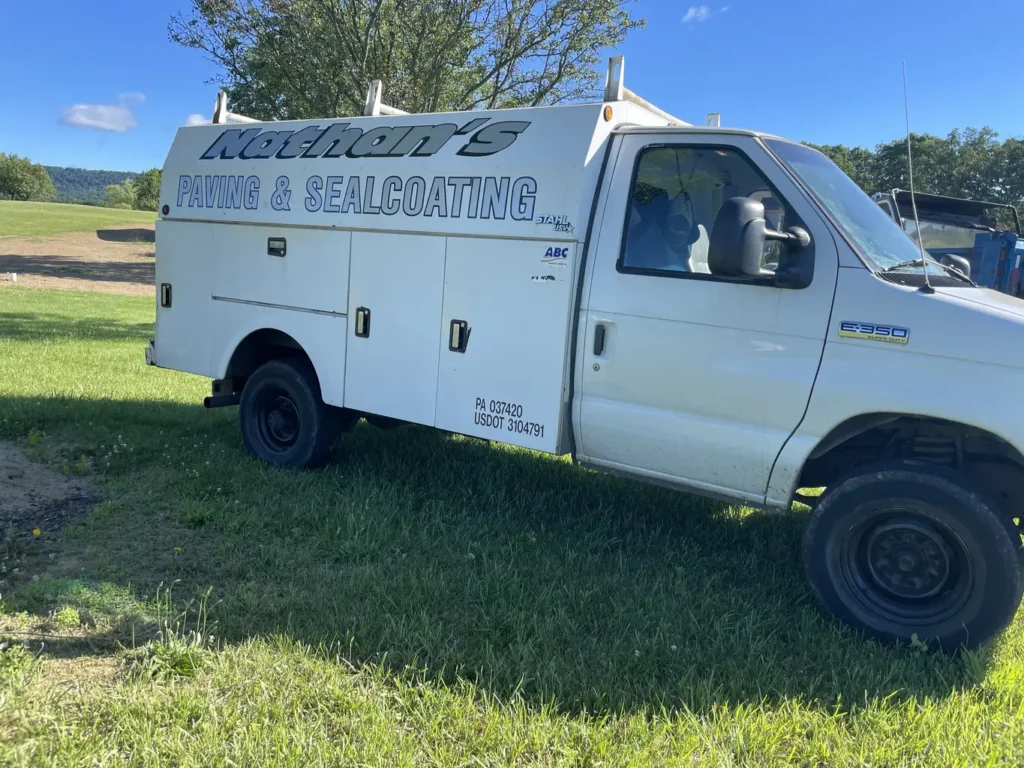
{"x":886,"y":206}
{"x":674,"y":201}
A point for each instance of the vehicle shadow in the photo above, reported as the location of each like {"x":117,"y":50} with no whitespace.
{"x":127,"y":235}
{"x":467,"y":560}
{"x":70,"y":267}
{"x":32,"y":325}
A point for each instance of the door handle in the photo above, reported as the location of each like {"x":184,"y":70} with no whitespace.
{"x":458,"y":336}
{"x":598,"y":339}
{"x":362,"y":322}
{"x":277,"y":246}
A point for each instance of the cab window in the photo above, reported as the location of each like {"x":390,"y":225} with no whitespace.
{"x":676,"y":194}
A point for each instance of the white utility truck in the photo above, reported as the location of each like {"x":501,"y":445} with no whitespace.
{"x":713,"y":309}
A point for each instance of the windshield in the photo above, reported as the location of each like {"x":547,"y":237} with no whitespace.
{"x":877,"y":238}
{"x":941,"y":235}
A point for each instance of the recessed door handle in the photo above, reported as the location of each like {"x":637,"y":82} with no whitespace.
{"x":598,"y":339}
{"x":458,"y":336}
{"x":362,"y":322}
{"x":277,"y":246}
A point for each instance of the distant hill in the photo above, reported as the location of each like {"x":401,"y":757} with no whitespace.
{"x":81,"y":184}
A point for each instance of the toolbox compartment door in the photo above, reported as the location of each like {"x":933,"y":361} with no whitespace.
{"x":508,"y":381}
{"x":397,"y":285}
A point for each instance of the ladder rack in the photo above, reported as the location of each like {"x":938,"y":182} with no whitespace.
{"x":615,"y":90}
{"x":374,"y":106}
{"x":221,"y":114}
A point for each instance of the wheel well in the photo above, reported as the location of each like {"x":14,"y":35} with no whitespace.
{"x":987,"y":458}
{"x":260,"y":347}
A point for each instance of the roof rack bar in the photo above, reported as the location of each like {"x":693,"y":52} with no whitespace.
{"x":615,"y":90}
{"x":374,"y":106}
{"x":221,"y":114}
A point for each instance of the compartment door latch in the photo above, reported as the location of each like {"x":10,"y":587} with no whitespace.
{"x":362,"y":322}
{"x":458,"y":336}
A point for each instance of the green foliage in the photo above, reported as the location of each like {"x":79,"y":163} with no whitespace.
{"x":67,"y":617}
{"x":181,"y":646}
{"x":21,"y":179}
{"x":86,"y":187}
{"x":121,"y":195}
{"x":968,"y":163}
{"x":141,"y":193}
{"x":16,"y":663}
{"x":147,"y":190}
{"x":288,"y":59}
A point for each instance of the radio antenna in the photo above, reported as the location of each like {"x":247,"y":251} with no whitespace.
{"x":926,"y":287}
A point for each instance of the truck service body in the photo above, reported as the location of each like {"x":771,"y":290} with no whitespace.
{"x":708,"y":308}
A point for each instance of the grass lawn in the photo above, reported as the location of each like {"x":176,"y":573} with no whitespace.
{"x":425,"y":600}
{"x":19,"y":219}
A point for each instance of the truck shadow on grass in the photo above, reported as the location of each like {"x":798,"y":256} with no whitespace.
{"x":127,"y":235}
{"x":446,"y":554}
{"x":25,"y":325}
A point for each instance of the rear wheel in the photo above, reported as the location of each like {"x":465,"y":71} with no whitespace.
{"x":283,"y":418}
{"x":903,"y":550}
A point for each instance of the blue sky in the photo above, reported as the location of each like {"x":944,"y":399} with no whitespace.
{"x":815,"y":70}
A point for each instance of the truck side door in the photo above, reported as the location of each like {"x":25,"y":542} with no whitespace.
{"x":685,"y":376}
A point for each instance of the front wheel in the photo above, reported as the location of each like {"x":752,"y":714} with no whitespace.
{"x":905,"y":550}
{"x":283,"y":418}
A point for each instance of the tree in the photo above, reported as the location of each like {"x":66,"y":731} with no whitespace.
{"x":79,"y":184}
{"x":856,"y":162}
{"x":21,"y":179}
{"x":147,"y":190}
{"x":121,"y":195}
{"x":289,"y":59}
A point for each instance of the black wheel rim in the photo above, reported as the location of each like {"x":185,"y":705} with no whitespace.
{"x":277,"y":419}
{"x":907,"y":566}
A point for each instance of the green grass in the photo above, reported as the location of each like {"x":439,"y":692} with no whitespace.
{"x":19,"y":219}
{"x":425,"y":600}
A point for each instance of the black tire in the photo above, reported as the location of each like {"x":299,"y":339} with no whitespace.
{"x":906,"y":549}
{"x":284,"y":420}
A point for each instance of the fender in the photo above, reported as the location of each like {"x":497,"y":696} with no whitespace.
{"x":848,"y":387}
{"x":322,"y":337}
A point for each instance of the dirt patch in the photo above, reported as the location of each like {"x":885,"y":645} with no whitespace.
{"x":116,"y":260}
{"x":34,"y":496}
{"x":78,"y":673}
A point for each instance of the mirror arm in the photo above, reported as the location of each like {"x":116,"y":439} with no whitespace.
{"x":797,"y":236}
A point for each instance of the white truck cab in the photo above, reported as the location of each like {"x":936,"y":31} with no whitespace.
{"x":717,"y":310}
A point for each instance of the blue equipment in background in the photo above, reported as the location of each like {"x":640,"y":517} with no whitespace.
{"x":964,"y":234}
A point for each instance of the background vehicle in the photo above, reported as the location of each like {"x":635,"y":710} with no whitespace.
{"x":968,"y":231}
{"x":600,"y":280}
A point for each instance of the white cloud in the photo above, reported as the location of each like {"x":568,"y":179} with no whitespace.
{"x":103,"y":117}
{"x":724,"y":8}
{"x":197,"y":119}
{"x":696,"y":13}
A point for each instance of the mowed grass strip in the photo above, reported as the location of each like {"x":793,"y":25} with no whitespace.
{"x":425,"y":600}
{"x":20,"y":219}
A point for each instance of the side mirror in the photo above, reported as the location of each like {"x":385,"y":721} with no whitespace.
{"x":737,"y":244}
{"x":956,"y":262}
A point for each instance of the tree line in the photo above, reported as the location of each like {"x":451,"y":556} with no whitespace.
{"x":82,"y":185}
{"x":21,"y":179}
{"x":970,"y":163}
{"x":141,"y":193}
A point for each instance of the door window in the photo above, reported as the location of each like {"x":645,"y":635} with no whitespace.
{"x":676,"y":194}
